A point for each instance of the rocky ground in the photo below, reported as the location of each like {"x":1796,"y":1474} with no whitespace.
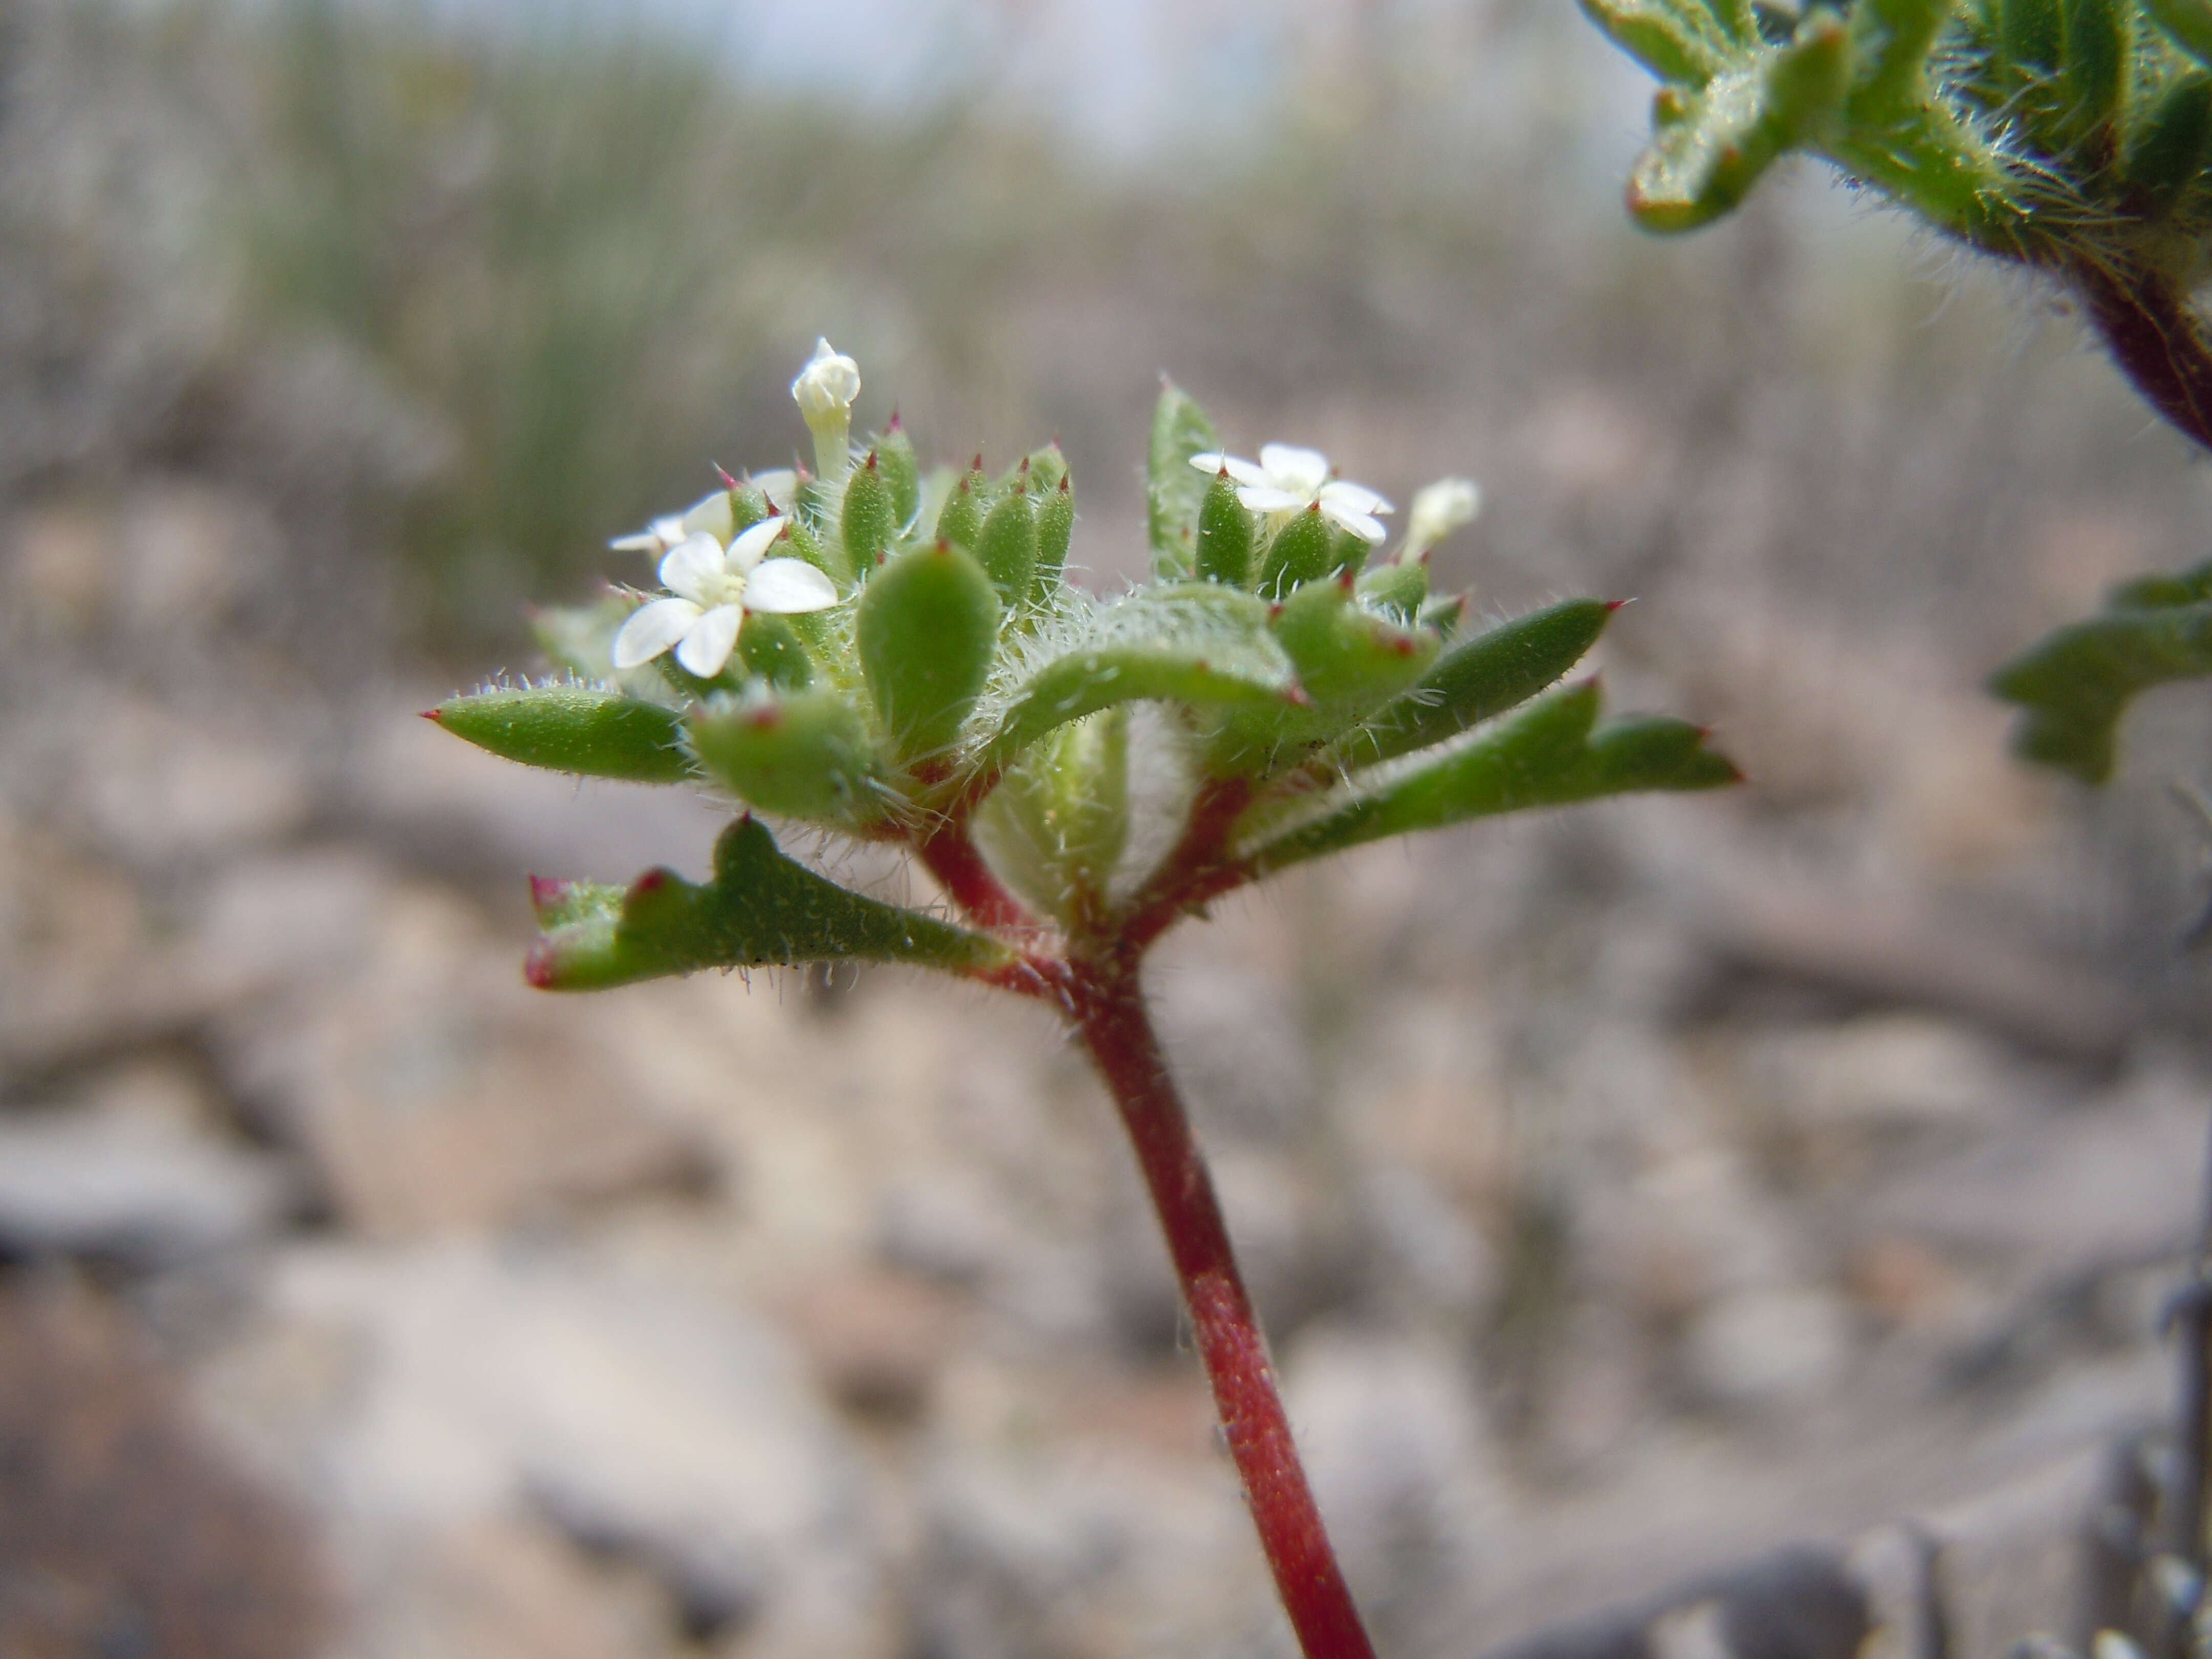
{"x":1628,"y":1193}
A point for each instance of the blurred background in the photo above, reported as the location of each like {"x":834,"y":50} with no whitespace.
{"x":1627,"y":1191}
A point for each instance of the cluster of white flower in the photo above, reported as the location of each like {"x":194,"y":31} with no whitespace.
{"x":714,"y":573}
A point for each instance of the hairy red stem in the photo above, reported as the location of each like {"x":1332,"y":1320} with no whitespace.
{"x":2147,"y":326}
{"x":1108,"y":1007}
{"x":953,"y":859}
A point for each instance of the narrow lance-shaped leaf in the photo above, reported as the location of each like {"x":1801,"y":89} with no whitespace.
{"x":1201,"y":644}
{"x":760,"y":909}
{"x":1007,"y":546}
{"x":2076,"y":683}
{"x":868,"y":519}
{"x":1481,"y":678}
{"x":573,"y":728}
{"x":1055,"y":530}
{"x":1551,"y":753}
{"x":1174,"y":488}
{"x":1225,"y":535}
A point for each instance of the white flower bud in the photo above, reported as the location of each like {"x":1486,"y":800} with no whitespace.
{"x":824,"y":392}
{"x":1438,"y":509}
{"x":828,"y":385}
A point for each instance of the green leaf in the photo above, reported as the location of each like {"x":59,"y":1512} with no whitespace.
{"x":868,"y":520}
{"x":1553,"y":752}
{"x":960,"y":520}
{"x":2096,"y":62}
{"x":902,"y":471}
{"x":771,"y":649}
{"x":1712,"y":145}
{"x":1198,"y":644}
{"x":1672,"y":41}
{"x":762,"y":910}
{"x":926,"y":631}
{"x":2031,"y":34}
{"x":1055,"y":529}
{"x":1481,"y":677}
{"x":1006,"y":547}
{"x":1349,"y":661}
{"x":1174,"y":488}
{"x":573,"y":728}
{"x":1225,"y":535}
{"x":2076,"y":684}
{"x":1057,"y":822}
{"x":1303,"y":550}
{"x":1401,"y":586}
{"x":806,"y":754}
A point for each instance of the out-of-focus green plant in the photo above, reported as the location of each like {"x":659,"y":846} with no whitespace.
{"x":572,"y":244}
{"x":2072,"y":136}
{"x":869,"y":654}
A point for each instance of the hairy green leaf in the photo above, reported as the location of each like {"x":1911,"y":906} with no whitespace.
{"x":1199,"y":644}
{"x":1174,"y":488}
{"x":2076,"y":684}
{"x":573,"y":728}
{"x":805,"y":755}
{"x":1481,"y":678}
{"x":760,"y":909}
{"x":1553,"y":752}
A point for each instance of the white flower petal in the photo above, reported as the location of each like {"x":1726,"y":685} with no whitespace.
{"x":1359,"y":498}
{"x":753,"y":541}
{"x":693,"y":567}
{"x":1266,"y":498}
{"x":710,"y":514}
{"x":644,"y":542}
{"x":1440,"y":508}
{"x":1367,"y":529}
{"x":652,"y":628}
{"x":1290,"y":467}
{"x":668,"y":531}
{"x":712,"y":638}
{"x":782,"y":586}
{"x":1209,"y":460}
{"x":780,"y":484}
{"x":831,"y":380}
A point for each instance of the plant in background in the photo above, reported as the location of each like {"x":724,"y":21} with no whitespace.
{"x":872,"y":655}
{"x":2073,"y":137}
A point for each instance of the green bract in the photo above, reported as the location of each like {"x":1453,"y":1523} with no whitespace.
{"x":1285,"y":687}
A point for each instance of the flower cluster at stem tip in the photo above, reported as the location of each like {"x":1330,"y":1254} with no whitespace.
{"x":884,"y":654}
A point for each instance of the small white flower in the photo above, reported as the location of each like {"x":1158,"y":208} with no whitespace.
{"x":1438,"y":509}
{"x":1288,"y":479}
{"x":711,"y":589}
{"x":824,"y":392}
{"x":827,"y":383}
{"x":710,"y":514}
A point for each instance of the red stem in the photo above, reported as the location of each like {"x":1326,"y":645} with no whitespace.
{"x":2147,"y":324}
{"x":953,"y":859}
{"x":1108,"y":1007}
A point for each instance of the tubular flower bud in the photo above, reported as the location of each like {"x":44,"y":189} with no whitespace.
{"x":824,"y":392}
